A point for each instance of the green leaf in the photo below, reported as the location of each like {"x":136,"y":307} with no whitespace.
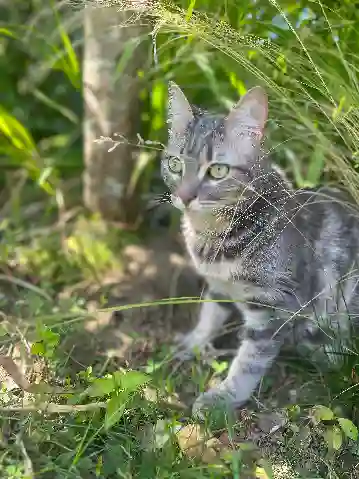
{"x":7,"y":33}
{"x":102,"y":386}
{"x":190,"y":8}
{"x":3,"y":331}
{"x":128,"y":381}
{"x":23,"y":145}
{"x":18,"y":135}
{"x":267,"y":467}
{"x":322,"y":413}
{"x":126,"y":56}
{"x":51,"y":103}
{"x":38,"y":349}
{"x":71,"y":65}
{"x":115,"y":409}
{"x":333,"y":437}
{"x":131,"y":380}
{"x":237,"y":83}
{"x":316,"y":166}
{"x":99,"y":466}
{"x":219,"y":366}
{"x":349,"y":429}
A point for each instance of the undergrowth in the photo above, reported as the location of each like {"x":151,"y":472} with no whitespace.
{"x":107,"y":418}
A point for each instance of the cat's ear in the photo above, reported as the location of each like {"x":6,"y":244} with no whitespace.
{"x":179,"y":112}
{"x":250,"y":113}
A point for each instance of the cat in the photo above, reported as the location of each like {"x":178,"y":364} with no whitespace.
{"x":286,"y":258}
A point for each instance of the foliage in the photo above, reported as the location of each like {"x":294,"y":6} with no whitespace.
{"x":109,"y":421}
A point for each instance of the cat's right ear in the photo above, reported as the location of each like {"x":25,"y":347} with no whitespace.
{"x":179,"y":113}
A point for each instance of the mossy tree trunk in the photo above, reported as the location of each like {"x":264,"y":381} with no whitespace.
{"x":114,"y":51}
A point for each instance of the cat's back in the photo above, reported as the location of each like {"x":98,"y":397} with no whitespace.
{"x":328,"y":216}
{"x":328,"y":220}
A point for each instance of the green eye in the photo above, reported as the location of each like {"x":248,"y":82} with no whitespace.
{"x":174,"y":164}
{"x":218,"y":171}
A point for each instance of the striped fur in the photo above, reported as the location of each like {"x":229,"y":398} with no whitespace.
{"x":286,"y":258}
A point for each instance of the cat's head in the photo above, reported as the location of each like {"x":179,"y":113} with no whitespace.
{"x":213,"y":159}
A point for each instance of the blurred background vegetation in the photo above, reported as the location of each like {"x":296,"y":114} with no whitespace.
{"x":302,"y":52}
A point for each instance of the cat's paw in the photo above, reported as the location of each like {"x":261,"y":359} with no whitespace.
{"x":188,"y":346}
{"x":215,"y":398}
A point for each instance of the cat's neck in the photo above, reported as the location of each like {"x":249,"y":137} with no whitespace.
{"x":248,"y":224}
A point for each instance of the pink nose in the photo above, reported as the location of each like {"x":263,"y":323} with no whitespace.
{"x":187,"y":192}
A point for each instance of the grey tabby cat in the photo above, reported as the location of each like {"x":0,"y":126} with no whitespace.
{"x":287,"y":259}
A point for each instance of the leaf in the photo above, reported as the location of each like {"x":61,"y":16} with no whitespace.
{"x":128,"y":381}
{"x":66,"y":112}
{"x":267,"y":468}
{"x":338,"y":110}
{"x":131,"y":380}
{"x":162,"y":433}
{"x":99,"y":466}
{"x":23,"y":149}
{"x":38,"y":349}
{"x":71,"y":66}
{"x":115,"y":409}
{"x":261,"y":473}
{"x":190,"y":8}
{"x":322,"y":413}
{"x":333,"y":437}
{"x":102,"y":386}
{"x":349,"y":429}
{"x":194,"y":445}
{"x":315,"y":169}
{"x":126,"y":56}
{"x":219,"y":366}
{"x":19,"y":136}
{"x":3,"y":331}
{"x":49,"y":336}
{"x":237,"y":84}
{"x":7,"y":33}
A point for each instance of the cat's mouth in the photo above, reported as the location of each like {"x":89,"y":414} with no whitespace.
{"x":194,"y":205}
{"x":213,"y":216}
{"x":217,"y":208}
{"x":178,"y":203}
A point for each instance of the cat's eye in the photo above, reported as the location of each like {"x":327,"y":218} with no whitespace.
{"x":218,"y":171}
{"x":175,"y":165}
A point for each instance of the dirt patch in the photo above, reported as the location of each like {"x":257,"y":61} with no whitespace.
{"x":151,"y":273}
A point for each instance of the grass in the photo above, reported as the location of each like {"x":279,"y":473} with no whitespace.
{"x":100,"y":416}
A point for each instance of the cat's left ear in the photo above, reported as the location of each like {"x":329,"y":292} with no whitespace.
{"x":179,"y":113}
{"x":250,"y":113}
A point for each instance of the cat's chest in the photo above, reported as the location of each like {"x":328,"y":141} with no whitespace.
{"x":227,"y":278}
{"x":220,"y":269}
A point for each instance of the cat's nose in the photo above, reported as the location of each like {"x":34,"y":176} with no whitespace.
{"x":187,"y":193}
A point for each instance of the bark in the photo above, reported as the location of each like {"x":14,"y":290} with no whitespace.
{"x":111,"y":106}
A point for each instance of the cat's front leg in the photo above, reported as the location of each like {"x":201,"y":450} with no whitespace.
{"x":212,"y":316}
{"x":258,"y":349}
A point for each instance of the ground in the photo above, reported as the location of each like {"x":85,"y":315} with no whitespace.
{"x":150,"y":273}
{"x":140,"y":338}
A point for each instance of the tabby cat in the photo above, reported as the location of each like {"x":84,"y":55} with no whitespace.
{"x":286,"y":258}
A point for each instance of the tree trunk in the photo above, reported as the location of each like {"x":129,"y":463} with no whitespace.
{"x":111,"y":97}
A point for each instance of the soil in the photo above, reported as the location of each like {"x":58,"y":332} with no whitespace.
{"x":151,"y":273}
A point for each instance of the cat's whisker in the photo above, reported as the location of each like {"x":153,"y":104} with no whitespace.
{"x":158,"y":200}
